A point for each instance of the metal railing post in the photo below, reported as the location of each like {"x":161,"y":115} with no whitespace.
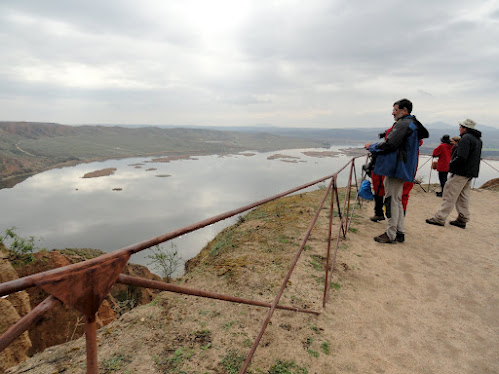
{"x":328,"y":253}
{"x":91,"y":344}
{"x":284,"y":283}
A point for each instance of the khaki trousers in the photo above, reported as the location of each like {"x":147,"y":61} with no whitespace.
{"x":456,"y":193}
{"x":395,"y":210}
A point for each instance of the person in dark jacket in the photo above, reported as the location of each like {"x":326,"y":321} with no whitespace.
{"x":464,"y":166}
{"x":396,"y":159}
{"x":379,"y":191}
{"x":443,"y":152}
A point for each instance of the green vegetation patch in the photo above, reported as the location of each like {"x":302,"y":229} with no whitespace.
{"x":173,"y":361}
{"x":287,"y":367}
{"x":115,"y":363}
{"x":326,"y":348}
{"x":232,"y":362}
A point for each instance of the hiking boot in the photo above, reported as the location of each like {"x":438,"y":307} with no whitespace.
{"x":400,"y":237}
{"x":439,"y":194}
{"x":458,"y":223}
{"x":383,"y":238}
{"x":433,"y":221}
{"x":377,"y":218}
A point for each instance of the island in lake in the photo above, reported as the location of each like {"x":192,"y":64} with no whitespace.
{"x":100,"y":173}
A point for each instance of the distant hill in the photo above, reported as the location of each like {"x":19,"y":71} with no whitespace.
{"x":490,"y":136}
{"x":351,"y":136}
{"x":27,"y":148}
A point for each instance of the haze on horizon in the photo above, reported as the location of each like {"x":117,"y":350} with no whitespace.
{"x":316,"y":63}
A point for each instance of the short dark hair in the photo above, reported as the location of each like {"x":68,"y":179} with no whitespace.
{"x":404,"y":103}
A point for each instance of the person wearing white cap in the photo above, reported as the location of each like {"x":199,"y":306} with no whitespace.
{"x":464,"y":166}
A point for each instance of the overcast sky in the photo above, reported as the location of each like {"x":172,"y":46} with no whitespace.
{"x":311,"y":63}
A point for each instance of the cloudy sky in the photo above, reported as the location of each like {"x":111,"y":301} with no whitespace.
{"x":311,"y":63}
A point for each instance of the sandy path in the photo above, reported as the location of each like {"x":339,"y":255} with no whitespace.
{"x":429,"y":305}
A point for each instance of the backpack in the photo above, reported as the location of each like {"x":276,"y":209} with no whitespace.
{"x":365,"y":190}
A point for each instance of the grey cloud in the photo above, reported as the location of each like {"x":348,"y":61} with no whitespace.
{"x":320,"y":58}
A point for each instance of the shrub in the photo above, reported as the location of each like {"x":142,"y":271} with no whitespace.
{"x":20,"y":249}
{"x":166,"y":261}
{"x":16,"y":244}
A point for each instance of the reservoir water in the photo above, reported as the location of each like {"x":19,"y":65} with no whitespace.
{"x":63,"y":210}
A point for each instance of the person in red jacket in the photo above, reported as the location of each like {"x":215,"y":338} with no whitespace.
{"x":443,"y":152}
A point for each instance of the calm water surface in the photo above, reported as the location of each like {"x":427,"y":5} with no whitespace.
{"x":63,"y":210}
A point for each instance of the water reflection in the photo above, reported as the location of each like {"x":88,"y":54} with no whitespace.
{"x":64,"y":210}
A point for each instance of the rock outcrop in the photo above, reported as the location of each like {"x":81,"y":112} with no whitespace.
{"x":62,"y":323}
{"x":12,"y":308}
{"x":492,"y":184}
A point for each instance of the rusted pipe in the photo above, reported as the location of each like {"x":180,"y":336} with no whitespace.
{"x":489,"y":165}
{"x":284,"y":283}
{"x":147,"y":283}
{"x":16,"y":285}
{"x":160,"y":239}
{"x":431,"y":169}
{"x":30,"y":280}
{"x":328,"y":253}
{"x":349,"y":220}
{"x":424,"y":163}
{"x":25,"y":323}
{"x":91,"y":345}
{"x":346,"y":207}
{"x":340,"y":213}
{"x":333,"y":262}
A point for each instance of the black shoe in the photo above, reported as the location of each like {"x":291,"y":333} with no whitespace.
{"x":439,"y":194}
{"x":400,"y":237}
{"x":377,"y":218}
{"x":458,"y":223}
{"x":383,"y":238}
{"x":433,"y":221}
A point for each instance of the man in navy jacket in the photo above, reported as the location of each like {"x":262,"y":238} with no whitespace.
{"x":464,"y":166}
{"x":397,"y":159}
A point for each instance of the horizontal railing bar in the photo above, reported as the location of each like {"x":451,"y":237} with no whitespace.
{"x":25,"y":323}
{"x":148,"y":283}
{"x":37,"y":279}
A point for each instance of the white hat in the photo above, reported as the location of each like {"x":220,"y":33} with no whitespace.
{"x":468,"y":123}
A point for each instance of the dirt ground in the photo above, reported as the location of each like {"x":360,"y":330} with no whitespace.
{"x":426,"y":306}
{"x":429,"y":305}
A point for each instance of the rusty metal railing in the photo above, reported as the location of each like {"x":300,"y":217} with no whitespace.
{"x":84,"y":285}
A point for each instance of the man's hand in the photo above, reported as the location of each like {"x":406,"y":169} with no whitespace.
{"x":367,"y":145}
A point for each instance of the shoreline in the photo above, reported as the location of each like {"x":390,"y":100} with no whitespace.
{"x":9,"y":181}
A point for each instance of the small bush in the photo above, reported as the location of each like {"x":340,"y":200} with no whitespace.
{"x":16,"y":244}
{"x":166,"y":261}
{"x":20,"y":249}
